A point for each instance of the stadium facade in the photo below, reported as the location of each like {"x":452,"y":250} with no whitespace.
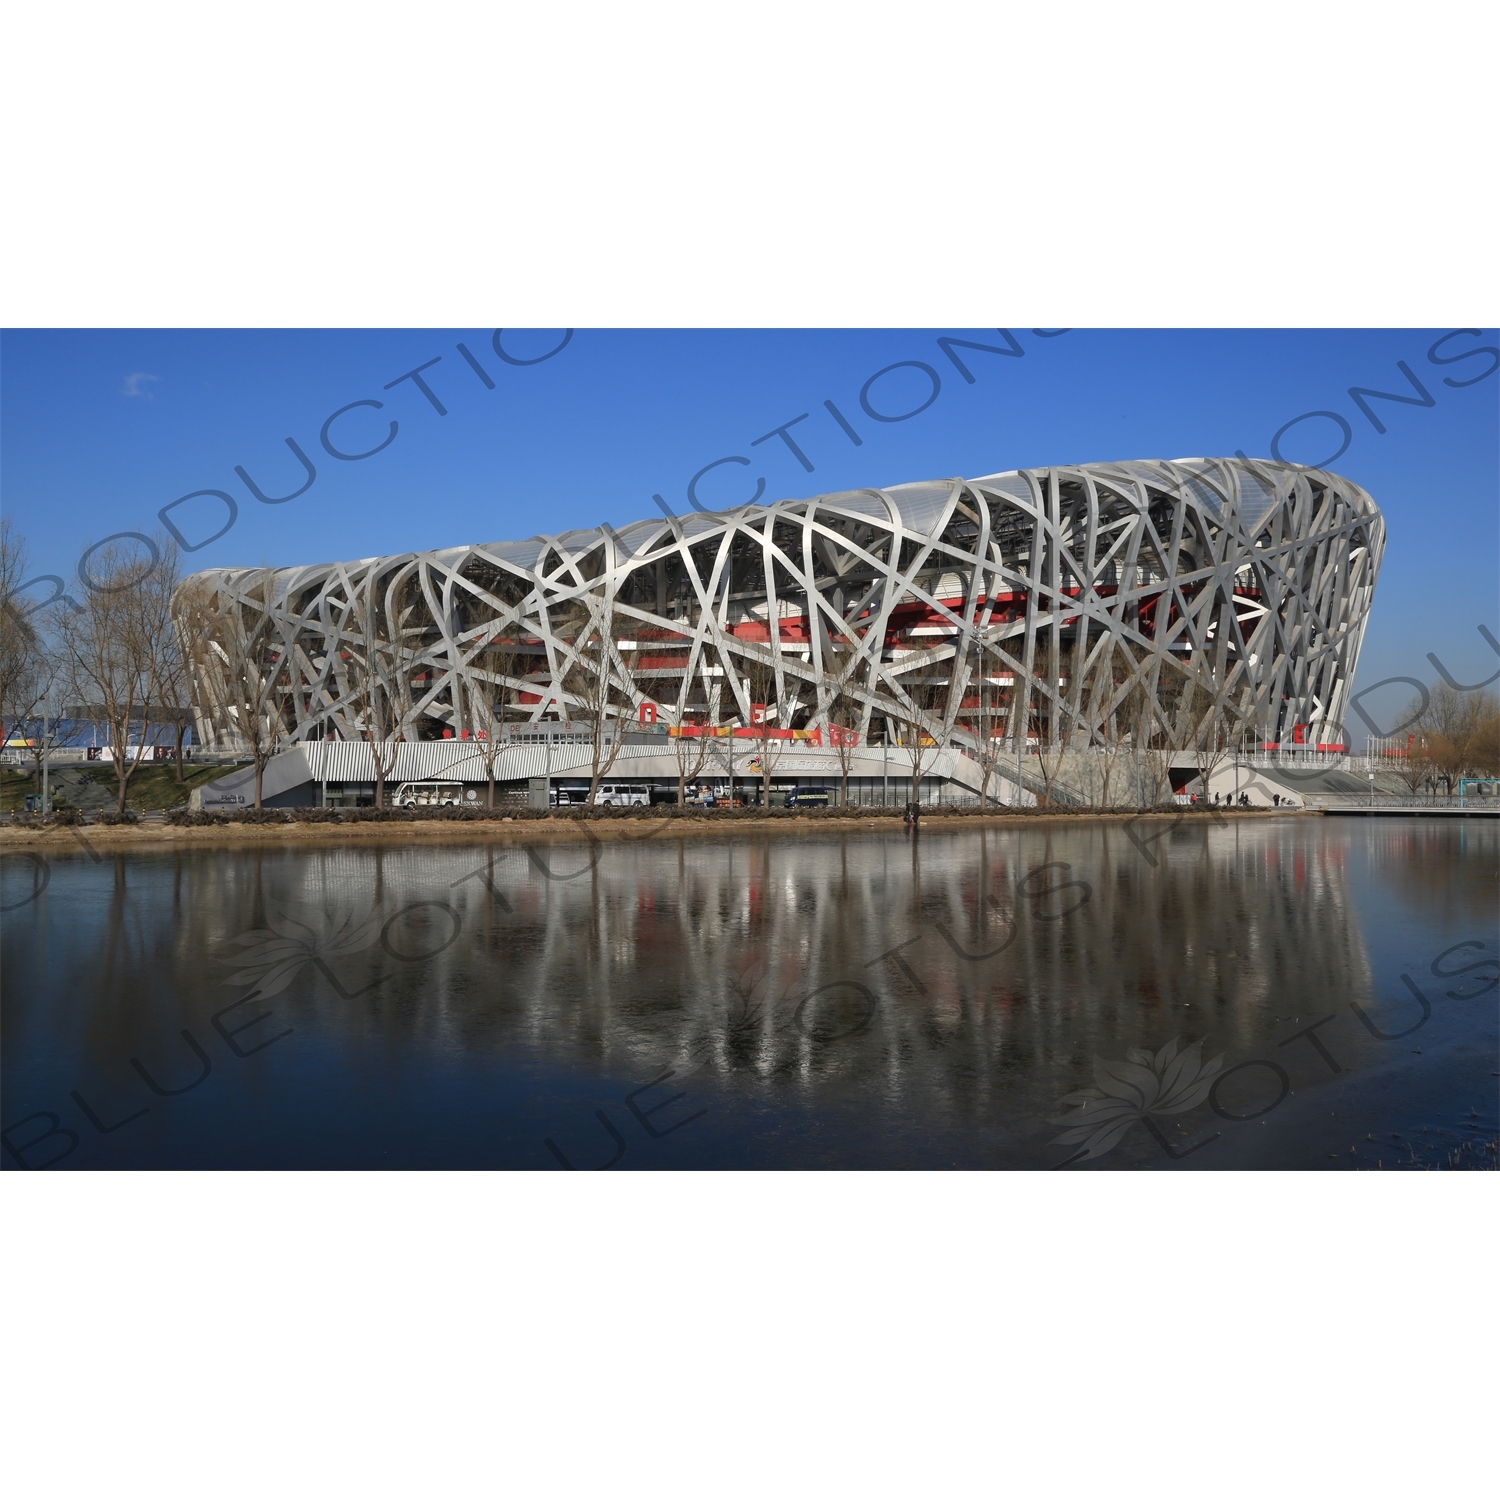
{"x":1033,"y":606}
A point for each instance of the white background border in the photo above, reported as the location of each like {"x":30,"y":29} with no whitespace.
{"x":870,"y":1334}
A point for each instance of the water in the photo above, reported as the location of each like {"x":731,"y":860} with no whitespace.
{"x":825,"y":999}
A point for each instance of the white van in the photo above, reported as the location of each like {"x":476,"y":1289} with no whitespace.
{"x":622,"y":794}
{"x":432,"y":794}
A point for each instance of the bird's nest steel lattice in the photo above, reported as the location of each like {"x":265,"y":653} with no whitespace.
{"x":1060,"y":596}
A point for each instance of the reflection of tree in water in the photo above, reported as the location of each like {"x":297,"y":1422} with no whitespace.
{"x":945,"y":965}
{"x":1223,"y":928}
{"x":1437,"y":865}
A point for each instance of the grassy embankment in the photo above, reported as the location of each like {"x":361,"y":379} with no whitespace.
{"x":152,"y":788}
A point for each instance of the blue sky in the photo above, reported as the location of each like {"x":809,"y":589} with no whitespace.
{"x":102,"y":429}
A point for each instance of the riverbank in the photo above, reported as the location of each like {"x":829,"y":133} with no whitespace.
{"x":98,"y":838}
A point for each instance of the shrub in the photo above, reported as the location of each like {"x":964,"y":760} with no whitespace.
{"x":118,"y":819}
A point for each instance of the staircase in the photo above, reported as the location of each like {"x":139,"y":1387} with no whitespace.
{"x":1059,"y":792}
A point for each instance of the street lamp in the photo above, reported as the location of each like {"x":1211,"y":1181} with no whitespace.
{"x":47,"y":718}
{"x":1372,"y":790}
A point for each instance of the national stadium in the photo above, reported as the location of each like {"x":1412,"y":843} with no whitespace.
{"x":1078,"y":610}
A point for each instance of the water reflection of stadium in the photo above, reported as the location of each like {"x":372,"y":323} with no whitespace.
{"x":969,"y":963}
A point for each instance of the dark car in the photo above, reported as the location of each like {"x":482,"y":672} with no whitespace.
{"x":807,"y":796}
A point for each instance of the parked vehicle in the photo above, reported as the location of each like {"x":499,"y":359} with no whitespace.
{"x":623,"y":794}
{"x":432,"y":794}
{"x":702,"y":794}
{"x":807,"y":796}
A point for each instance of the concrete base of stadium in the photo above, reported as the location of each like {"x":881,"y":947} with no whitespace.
{"x":341,"y":773}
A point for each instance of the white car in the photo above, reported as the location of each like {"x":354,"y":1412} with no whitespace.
{"x":622,"y":794}
{"x":432,"y":794}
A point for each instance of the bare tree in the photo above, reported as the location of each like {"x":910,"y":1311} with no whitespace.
{"x":692,"y":751}
{"x":843,"y":736}
{"x":251,"y":668}
{"x":765,"y":712}
{"x":195,"y":616}
{"x":1131,"y":729}
{"x":25,"y":668}
{"x":1458,"y":729}
{"x":1053,"y":720}
{"x":1484,"y":747}
{"x":1111,"y":709}
{"x":37,"y":687}
{"x":111,"y":650}
{"x":30,"y":689}
{"x":186,"y":608}
{"x":1158,"y":726}
{"x":492,"y":668}
{"x":920,"y":728}
{"x":1213,"y":727}
{"x":843,"y":708}
{"x":986,"y":717}
{"x":598,"y":684}
{"x":1413,"y":765}
{"x":381,"y":665}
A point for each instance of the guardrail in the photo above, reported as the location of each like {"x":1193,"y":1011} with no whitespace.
{"x":1038,"y":786}
{"x":69,"y":755}
{"x":1385,"y":803}
{"x":1269,"y":760}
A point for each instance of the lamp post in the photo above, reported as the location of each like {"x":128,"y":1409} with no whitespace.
{"x":46,"y":717}
{"x":1372,"y":791}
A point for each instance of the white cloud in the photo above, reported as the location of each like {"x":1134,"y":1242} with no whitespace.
{"x":132,"y":386}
